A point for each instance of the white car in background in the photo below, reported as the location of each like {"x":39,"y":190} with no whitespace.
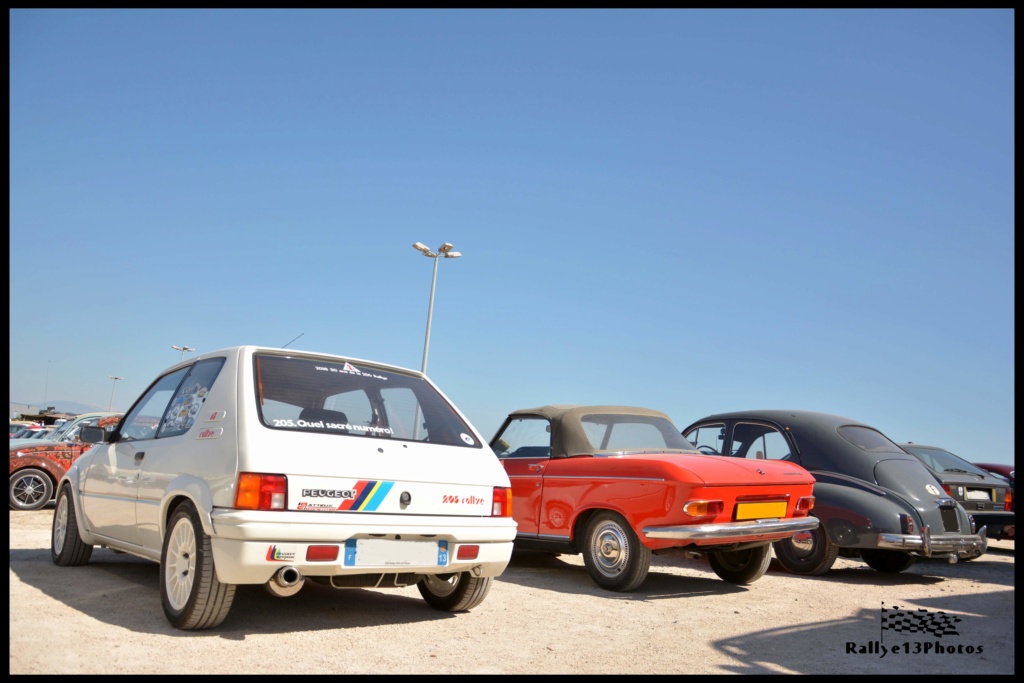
{"x":266,"y":466}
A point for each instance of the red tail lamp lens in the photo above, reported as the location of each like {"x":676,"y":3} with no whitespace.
{"x":501,"y":505}
{"x":261,"y":492}
{"x":467,"y":552}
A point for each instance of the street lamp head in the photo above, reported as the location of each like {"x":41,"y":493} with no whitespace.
{"x":452,"y":254}
{"x":419,"y":246}
{"x":445,"y":248}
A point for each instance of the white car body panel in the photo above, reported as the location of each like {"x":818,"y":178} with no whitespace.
{"x":340,"y":488}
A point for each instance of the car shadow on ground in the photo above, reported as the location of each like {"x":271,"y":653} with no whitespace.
{"x":567,"y":574}
{"x":946,"y":628}
{"x":124,"y":590}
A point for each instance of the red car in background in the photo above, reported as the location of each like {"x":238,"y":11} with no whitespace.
{"x":37,"y":465}
{"x":1005,"y":471}
{"x":619,"y":484}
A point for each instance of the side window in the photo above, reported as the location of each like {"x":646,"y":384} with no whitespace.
{"x":189,"y":398}
{"x":708,"y":439}
{"x":760,"y":442}
{"x":143,"y":420}
{"x":524,"y":437}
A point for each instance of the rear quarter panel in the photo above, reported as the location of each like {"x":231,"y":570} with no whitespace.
{"x":652,"y":491}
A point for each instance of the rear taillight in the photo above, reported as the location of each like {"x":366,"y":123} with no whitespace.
{"x":804,"y":506}
{"x":501,"y":505}
{"x":907,"y":524}
{"x":261,"y":492}
{"x":467,"y":552}
{"x":1008,"y":503}
{"x":704,"y":508}
{"x":322,"y":553}
{"x":948,"y":490}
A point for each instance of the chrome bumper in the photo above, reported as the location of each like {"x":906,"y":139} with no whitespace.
{"x":963,"y":545}
{"x":735,"y":532}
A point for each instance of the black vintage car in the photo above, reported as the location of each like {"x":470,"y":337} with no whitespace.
{"x":986,"y":497}
{"x":873,"y":498}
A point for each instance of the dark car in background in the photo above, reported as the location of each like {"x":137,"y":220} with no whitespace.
{"x":874,"y":499}
{"x":985,"y":497}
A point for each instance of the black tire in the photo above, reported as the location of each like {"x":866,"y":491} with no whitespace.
{"x":30,"y":489}
{"x":809,"y":553}
{"x":67,"y":549}
{"x":888,"y":561}
{"x":454,"y":592}
{"x":614,"y":556}
{"x":191,"y":595}
{"x":742,"y":566}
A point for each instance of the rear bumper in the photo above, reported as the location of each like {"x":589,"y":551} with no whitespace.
{"x":734,"y":532}
{"x":250,"y":547}
{"x":928,"y":545}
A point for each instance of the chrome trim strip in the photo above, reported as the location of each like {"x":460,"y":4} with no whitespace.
{"x":592,"y":478}
{"x":735,"y":532}
{"x":928,"y":545}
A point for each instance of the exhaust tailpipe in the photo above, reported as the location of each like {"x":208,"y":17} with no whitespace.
{"x":285,"y":582}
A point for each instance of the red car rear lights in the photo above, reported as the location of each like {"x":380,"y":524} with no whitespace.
{"x":467,"y":552}
{"x":322,"y":553}
{"x":501,"y":502}
{"x":804,"y":506}
{"x":704,"y":508}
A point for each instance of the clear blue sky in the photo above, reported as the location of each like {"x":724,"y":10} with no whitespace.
{"x":695,"y":211}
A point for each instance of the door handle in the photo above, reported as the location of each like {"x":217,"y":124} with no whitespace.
{"x":535,"y":468}
{"x":139,"y":456}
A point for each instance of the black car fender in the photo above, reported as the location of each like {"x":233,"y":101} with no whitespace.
{"x":853,"y":512}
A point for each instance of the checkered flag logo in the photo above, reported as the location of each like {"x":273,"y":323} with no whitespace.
{"x":937,"y":624}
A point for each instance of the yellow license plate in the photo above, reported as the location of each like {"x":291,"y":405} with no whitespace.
{"x":760,"y":510}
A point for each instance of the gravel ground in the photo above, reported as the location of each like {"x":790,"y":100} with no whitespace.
{"x":543,"y":616}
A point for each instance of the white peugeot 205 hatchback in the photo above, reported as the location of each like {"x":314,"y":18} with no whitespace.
{"x":254,"y":465}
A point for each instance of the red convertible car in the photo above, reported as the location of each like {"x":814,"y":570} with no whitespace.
{"x":618,"y":483}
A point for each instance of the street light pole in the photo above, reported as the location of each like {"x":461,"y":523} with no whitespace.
{"x":115,"y":378}
{"x":444,"y":250}
{"x":46,"y":386}
{"x":183,"y":349}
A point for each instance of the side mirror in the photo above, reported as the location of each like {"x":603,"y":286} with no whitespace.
{"x":94,"y":435}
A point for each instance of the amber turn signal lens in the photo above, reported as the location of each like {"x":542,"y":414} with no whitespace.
{"x":703,"y":508}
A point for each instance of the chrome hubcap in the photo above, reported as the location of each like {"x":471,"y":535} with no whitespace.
{"x":610,"y":549}
{"x":802,"y":542}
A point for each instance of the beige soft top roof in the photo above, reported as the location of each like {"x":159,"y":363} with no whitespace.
{"x":567,"y":435}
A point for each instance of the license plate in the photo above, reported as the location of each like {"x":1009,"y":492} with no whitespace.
{"x":761,"y":510}
{"x":381,"y":552}
{"x":978,"y":494}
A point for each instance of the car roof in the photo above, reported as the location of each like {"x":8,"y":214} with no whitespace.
{"x":250,"y":349}
{"x":818,"y":441}
{"x":567,"y":435}
{"x":788,"y":417}
{"x":562,"y":411}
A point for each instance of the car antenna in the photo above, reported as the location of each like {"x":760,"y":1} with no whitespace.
{"x":286,"y":345}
